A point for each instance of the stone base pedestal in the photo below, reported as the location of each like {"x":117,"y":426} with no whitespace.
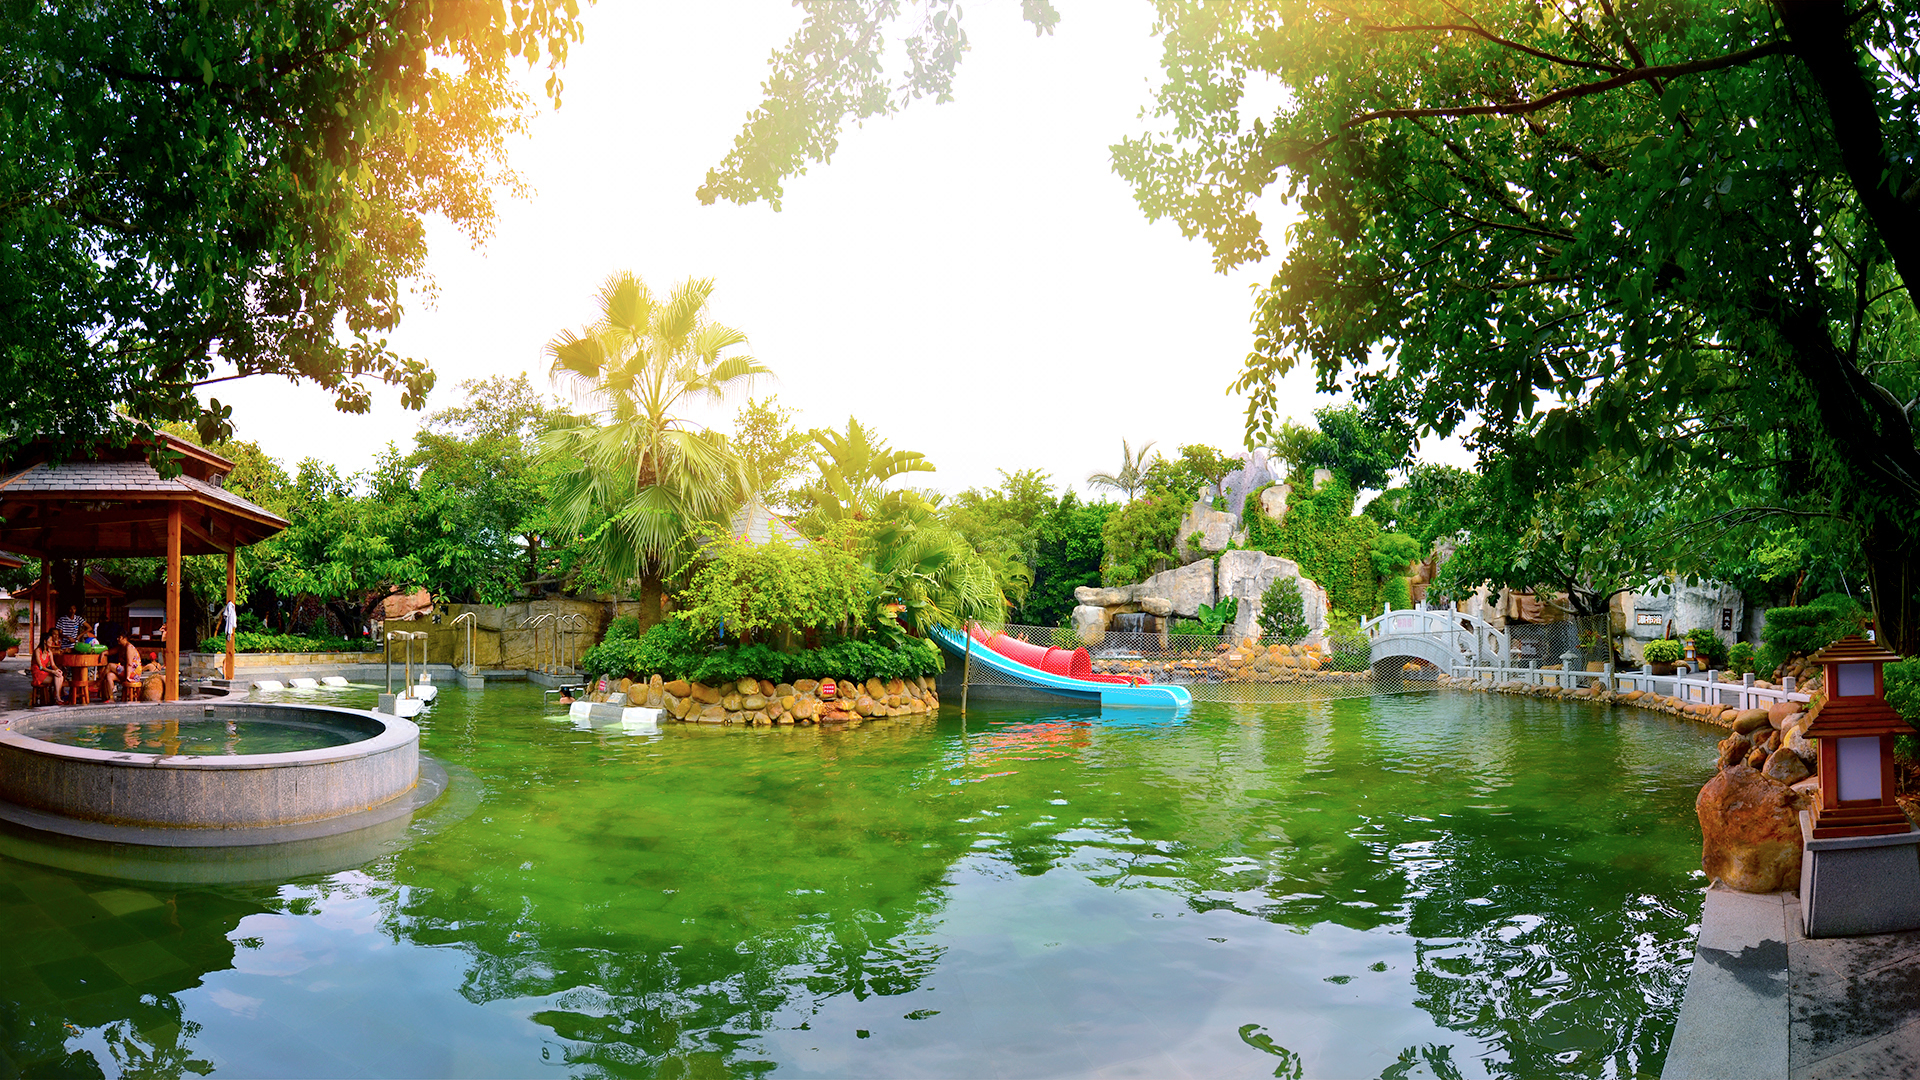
{"x":1859,"y":884}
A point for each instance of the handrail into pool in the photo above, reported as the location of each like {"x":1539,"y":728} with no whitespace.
{"x":1159,"y":696}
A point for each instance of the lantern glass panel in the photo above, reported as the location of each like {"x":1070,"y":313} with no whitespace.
{"x":1856,"y":680}
{"x":1859,"y":761}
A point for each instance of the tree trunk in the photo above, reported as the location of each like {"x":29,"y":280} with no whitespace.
{"x":653,"y":595}
{"x":1893,"y":570}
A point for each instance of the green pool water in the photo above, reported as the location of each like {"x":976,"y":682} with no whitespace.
{"x":199,"y":736}
{"x":1432,"y":884}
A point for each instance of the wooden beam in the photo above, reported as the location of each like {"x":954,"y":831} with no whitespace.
{"x":174,"y":637}
{"x":232,"y":556}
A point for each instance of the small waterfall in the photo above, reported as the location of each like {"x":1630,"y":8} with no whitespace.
{"x":1133,"y":622}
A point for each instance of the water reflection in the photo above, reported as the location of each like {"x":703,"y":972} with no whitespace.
{"x":1404,"y":887}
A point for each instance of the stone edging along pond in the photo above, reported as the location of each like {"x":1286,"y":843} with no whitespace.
{"x":762,"y":703}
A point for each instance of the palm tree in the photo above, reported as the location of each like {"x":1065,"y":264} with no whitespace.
{"x":1133,"y":471}
{"x":637,"y":478}
{"x":854,"y":469}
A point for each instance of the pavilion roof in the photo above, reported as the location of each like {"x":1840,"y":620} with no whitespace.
{"x":116,"y":504}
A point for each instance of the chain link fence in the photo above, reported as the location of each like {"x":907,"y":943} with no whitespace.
{"x":1399,"y":652}
{"x":1214,"y":669}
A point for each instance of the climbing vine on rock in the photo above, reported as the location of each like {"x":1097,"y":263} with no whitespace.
{"x":1333,"y":547}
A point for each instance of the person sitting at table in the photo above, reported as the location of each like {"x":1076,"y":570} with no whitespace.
{"x":125,"y":667}
{"x":45,"y":670}
{"x":71,"y":626}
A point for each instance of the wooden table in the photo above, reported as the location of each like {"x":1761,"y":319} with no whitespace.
{"x":83,"y":680}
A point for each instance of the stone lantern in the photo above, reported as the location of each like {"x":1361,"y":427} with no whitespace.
{"x":1855,"y":730}
{"x":1860,"y":871}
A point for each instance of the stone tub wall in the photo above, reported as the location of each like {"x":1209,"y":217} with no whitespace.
{"x":764,"y":703}
{"x":248,"y":791}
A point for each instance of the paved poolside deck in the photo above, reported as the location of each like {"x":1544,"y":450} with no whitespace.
{"x":1764,"y":1000}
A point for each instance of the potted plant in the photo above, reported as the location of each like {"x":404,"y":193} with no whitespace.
{"x":1662,"y":655}
{"x":9,"y":644}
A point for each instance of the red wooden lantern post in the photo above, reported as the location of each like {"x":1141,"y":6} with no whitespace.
{"x":1855,"y":730}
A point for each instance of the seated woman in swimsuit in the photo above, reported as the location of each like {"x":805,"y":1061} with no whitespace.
{"x":44,"y":668}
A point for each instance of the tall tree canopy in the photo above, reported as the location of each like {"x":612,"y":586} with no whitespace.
{"x":1684,"y":233}
{"x":637,"y":476}
{"x":195,"y":193}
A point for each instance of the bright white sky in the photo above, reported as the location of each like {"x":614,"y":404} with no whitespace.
{"x":971,"y":279}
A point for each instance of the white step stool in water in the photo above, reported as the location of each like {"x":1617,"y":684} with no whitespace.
{"x":607,"y":716}
{"x":424,"y":690}
{"x":302,"y":684}
{"x":269,"y":684}
{"x":334,"y":680}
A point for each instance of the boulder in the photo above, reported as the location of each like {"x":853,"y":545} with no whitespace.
{"x":1750,"y":830}
{"x":1750,"y":720}
{"x":749,"y":686}
{"x":753,"y":702}
{"x":678,"y":688}
{"x":1157,"y":606}
{"x":1795,"y":739}
{"x":713,"y":714}
{"x":1273,"y":501}
{"x":1090,"y":623}
{"x":806,"y":686}
{"x":730,"y":702}
{"x":1734,"y":749}
{"x":1785,"y":767}
{"x":704,"y":694}
{"x":1217,"y":528}
{"x":1096,"y":597}
{"x":1184,"y":589}
{"x":1783,"y":709}
{"x":1248,"y":574}
{"x":876,"y":689}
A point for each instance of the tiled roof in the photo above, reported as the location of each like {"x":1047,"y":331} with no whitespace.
{"x":80,"y":478}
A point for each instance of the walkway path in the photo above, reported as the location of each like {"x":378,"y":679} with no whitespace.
{"x":1764,"y":1001}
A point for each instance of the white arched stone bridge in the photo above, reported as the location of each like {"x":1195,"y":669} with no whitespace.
{"x":1445,"y":639}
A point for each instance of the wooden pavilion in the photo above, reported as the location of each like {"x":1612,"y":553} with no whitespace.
{"x":115,"y":504}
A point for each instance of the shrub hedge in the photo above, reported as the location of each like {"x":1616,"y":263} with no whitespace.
{"x":252,"y":642}
{"x":673,"y":650}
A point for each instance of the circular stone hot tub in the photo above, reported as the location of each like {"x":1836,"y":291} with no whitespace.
{"x":243,"y":768}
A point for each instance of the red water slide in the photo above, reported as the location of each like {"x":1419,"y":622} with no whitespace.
{"x":1070,"y":663}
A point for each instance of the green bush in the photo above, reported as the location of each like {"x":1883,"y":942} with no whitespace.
{"x":673,"y":649}
{"x":1903,"y":689}
{"x":1797,"y":631}
{"x":1140,"y":536}
{"x":269,"y":643}
{"x":1282,"y":614}
{"x":1741,"y":658}
{"x":1664,"y":651}
{"x":1189,"y":635}
{"x":1349,"y":648}
{"x":1708,"y":648}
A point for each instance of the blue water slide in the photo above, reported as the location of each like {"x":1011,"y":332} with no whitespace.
{"x":1154,"y":696}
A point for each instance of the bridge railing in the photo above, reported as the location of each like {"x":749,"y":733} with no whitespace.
{"x":1467,"y":638}
{"x":1692,"y":687}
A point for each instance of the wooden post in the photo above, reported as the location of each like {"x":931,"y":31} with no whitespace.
{"x":232,"y":556}
{"x":46,"y":602}
{"x":966,"y":670}
{"x":172,"y":643}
